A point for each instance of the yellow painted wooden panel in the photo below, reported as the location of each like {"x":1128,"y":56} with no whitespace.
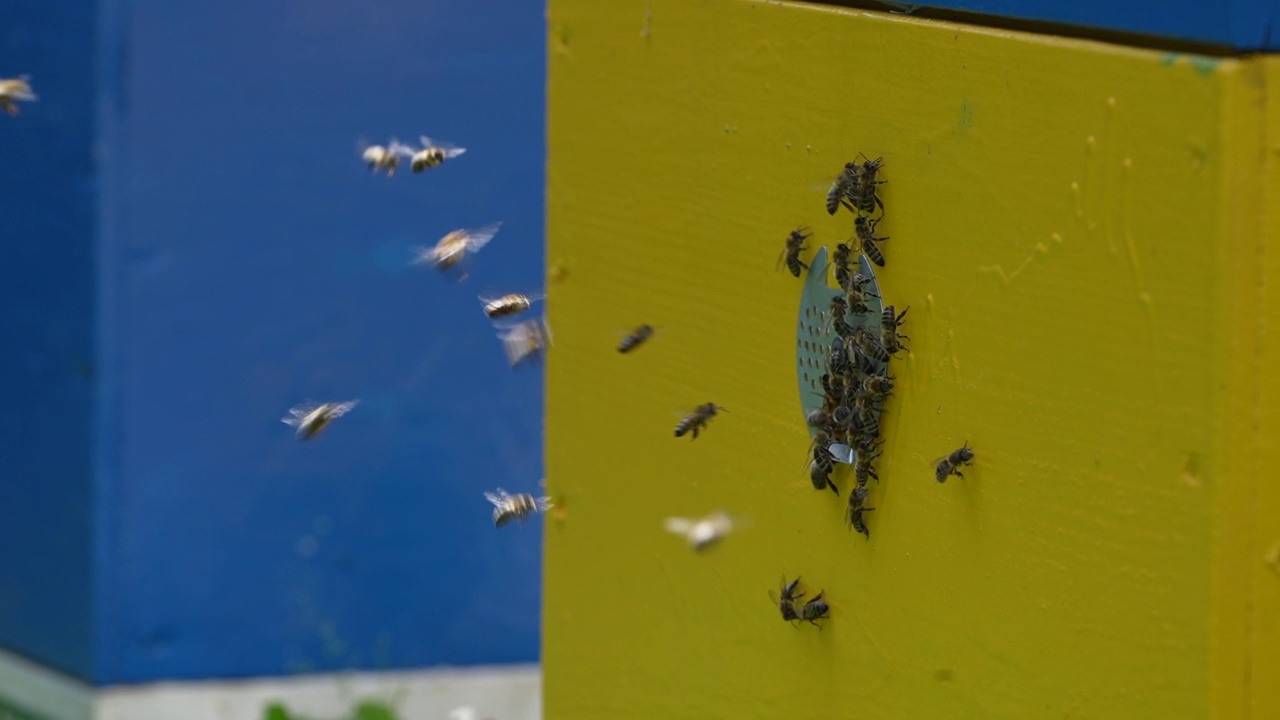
{"x":1077,"y":230}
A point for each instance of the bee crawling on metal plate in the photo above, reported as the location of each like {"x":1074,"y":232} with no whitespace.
{"x":432,"y":153}
{"x":508,"y":305}
{"x":701,"y":533}
{"x":12,"y":89}
{"x":455,"y":248}
{"x":311,"y":417}
{"x":950,"y":465}
{"x":385,"y":158}
{"x":525,"y":341}
{"x":508,"y":507}
{"x":697,"y":420}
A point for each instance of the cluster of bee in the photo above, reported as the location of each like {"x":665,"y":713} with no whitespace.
{"x":788,"y":601}
{"x":522,"y":342}
{"x":14,"y":89}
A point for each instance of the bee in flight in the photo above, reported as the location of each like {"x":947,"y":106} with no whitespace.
{"x":635,"y":339}
{"x":455,"y":248}
{"x":311,"y":417}
{"x":815,"y":610}
{"x":507,"y":305}
{"x":525,"y":341}
{"x":433,"y":153}
{"x":697,"y":420}
{"x":12,"y":89}
{"x":379,"y":157}
{"x":950,"y":465}
{"x":787,"y":598}
{"x":508,"y":507}
{"x":701,"y":533}
{"x":791,"y":253}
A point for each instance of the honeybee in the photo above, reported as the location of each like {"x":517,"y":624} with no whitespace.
{"x":454,"y":248}
{"x":822,"y":464}
{"x":791,"y":254}
{"x":378,"y":157}
{"x":844,"y":188}
{"x":787,"y":598}
{"x":704,"y":532}
{"x":836,"y":319}
{"x":508,"y":507}
{"x":862,"y":364}
{"x":819,"y":419}
{"x":878,"y":386}
{"x":698,"y":419}
{"x":433,"y":153}
{"x":856,"y":293}
{"x":865,"y":197}
{"x":814,"y":610}
{"x":12,"y":89}
{"x":864,"y":470}
{"x":525,"y":341}
{"x":637,"y":336}
{"x":840,"y":261}
{"x":868,"y":342}
{"x":950,"y":465}
{"x":889,"y":336}
{"x":856,"y":509}
{"x":865,"y":227}
{"x":311,"y":417}
{"x":507,"y":305}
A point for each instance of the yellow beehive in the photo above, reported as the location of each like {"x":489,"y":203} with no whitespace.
{"x":1084,"y":235}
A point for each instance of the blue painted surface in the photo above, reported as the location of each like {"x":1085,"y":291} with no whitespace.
{"x":47,"y":200}
{"x":248,"y":262}
{"x":1243,"y":25}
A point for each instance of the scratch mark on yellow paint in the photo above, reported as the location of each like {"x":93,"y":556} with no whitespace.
{"x":647,"y":22}
{"x":1190,"y":476}
{"x":560,"y":39}
{"x":1199,"y":153}
{"x":1105,"y":152}
{"x":951,"y":348}
{"x":1041,"y":248}
{"x":558,"y":271}
{"x":1126,"y":200}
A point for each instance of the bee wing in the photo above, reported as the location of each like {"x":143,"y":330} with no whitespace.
{"x":544,"y":503}
{"x":499,"y":498}
{"x":678,"y":525}
{"x":450,"y":150}
{"x":342,"y":408}
{"x":479,"y":237}
{"x":396,"y":147}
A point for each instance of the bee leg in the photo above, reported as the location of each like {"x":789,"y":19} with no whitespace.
{"x":833,"y":487}
{"x":957,"y":473}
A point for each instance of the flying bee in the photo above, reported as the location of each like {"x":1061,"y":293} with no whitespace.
{"x":866,"y":340}
{"x":791,"y":253}
{"x":950,"y":465}
{"x":786,"y":599}
{"x":865,"y":197}
{"x":456,"y":247}
{"x":815,"y":610}
{"x":507,"y":305}
{"x":311,"y":417}
{"x":12,"y":89}
{"x":637,"y":336}
{"x":433,"y":153}
{"x":865,"y":228}
{"x":844,"y":188}
{"x":857,"y":507}
{"x":697,"y":420}
{"x":701,"y":533}
{"x":508,"y":507}
{"x":889,"y":336}
{"x":379,"y":157}
{"x":525,"y":341}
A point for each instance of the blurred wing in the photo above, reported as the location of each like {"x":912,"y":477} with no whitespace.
{"x":498,"y":498}
{"x":678,"y":525}
{"x":481,"y":236}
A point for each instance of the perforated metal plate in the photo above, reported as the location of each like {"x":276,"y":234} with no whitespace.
{"x":814,"y":333}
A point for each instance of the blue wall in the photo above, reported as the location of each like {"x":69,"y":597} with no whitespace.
{"x":252,"y":262}
{"x":47,"y":201}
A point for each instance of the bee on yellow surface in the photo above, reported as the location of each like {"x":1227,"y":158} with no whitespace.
{"x":701,"y":533}
{"x":791,"y":253}
{"x":454,"y":249}
{"x":814,"y":610}
{"x":433,"y":153}
{"x":525,"y":341}
{"x":311,"y":417}
{"x":12,"y":89}
{"x":865,"y":228}
{"x":635,"y":338}
{"x":865,"y":197}
{"x":697,"y":419}
{"x":786,"y":599}
{"x":508,"y":507}
{"x":507,"y":305}
{"x":379,"y":157}
{"x":890,"y":338}
{"x":950,"y":465}
{"x":844,"y":189}
{"x":858,"y":506}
